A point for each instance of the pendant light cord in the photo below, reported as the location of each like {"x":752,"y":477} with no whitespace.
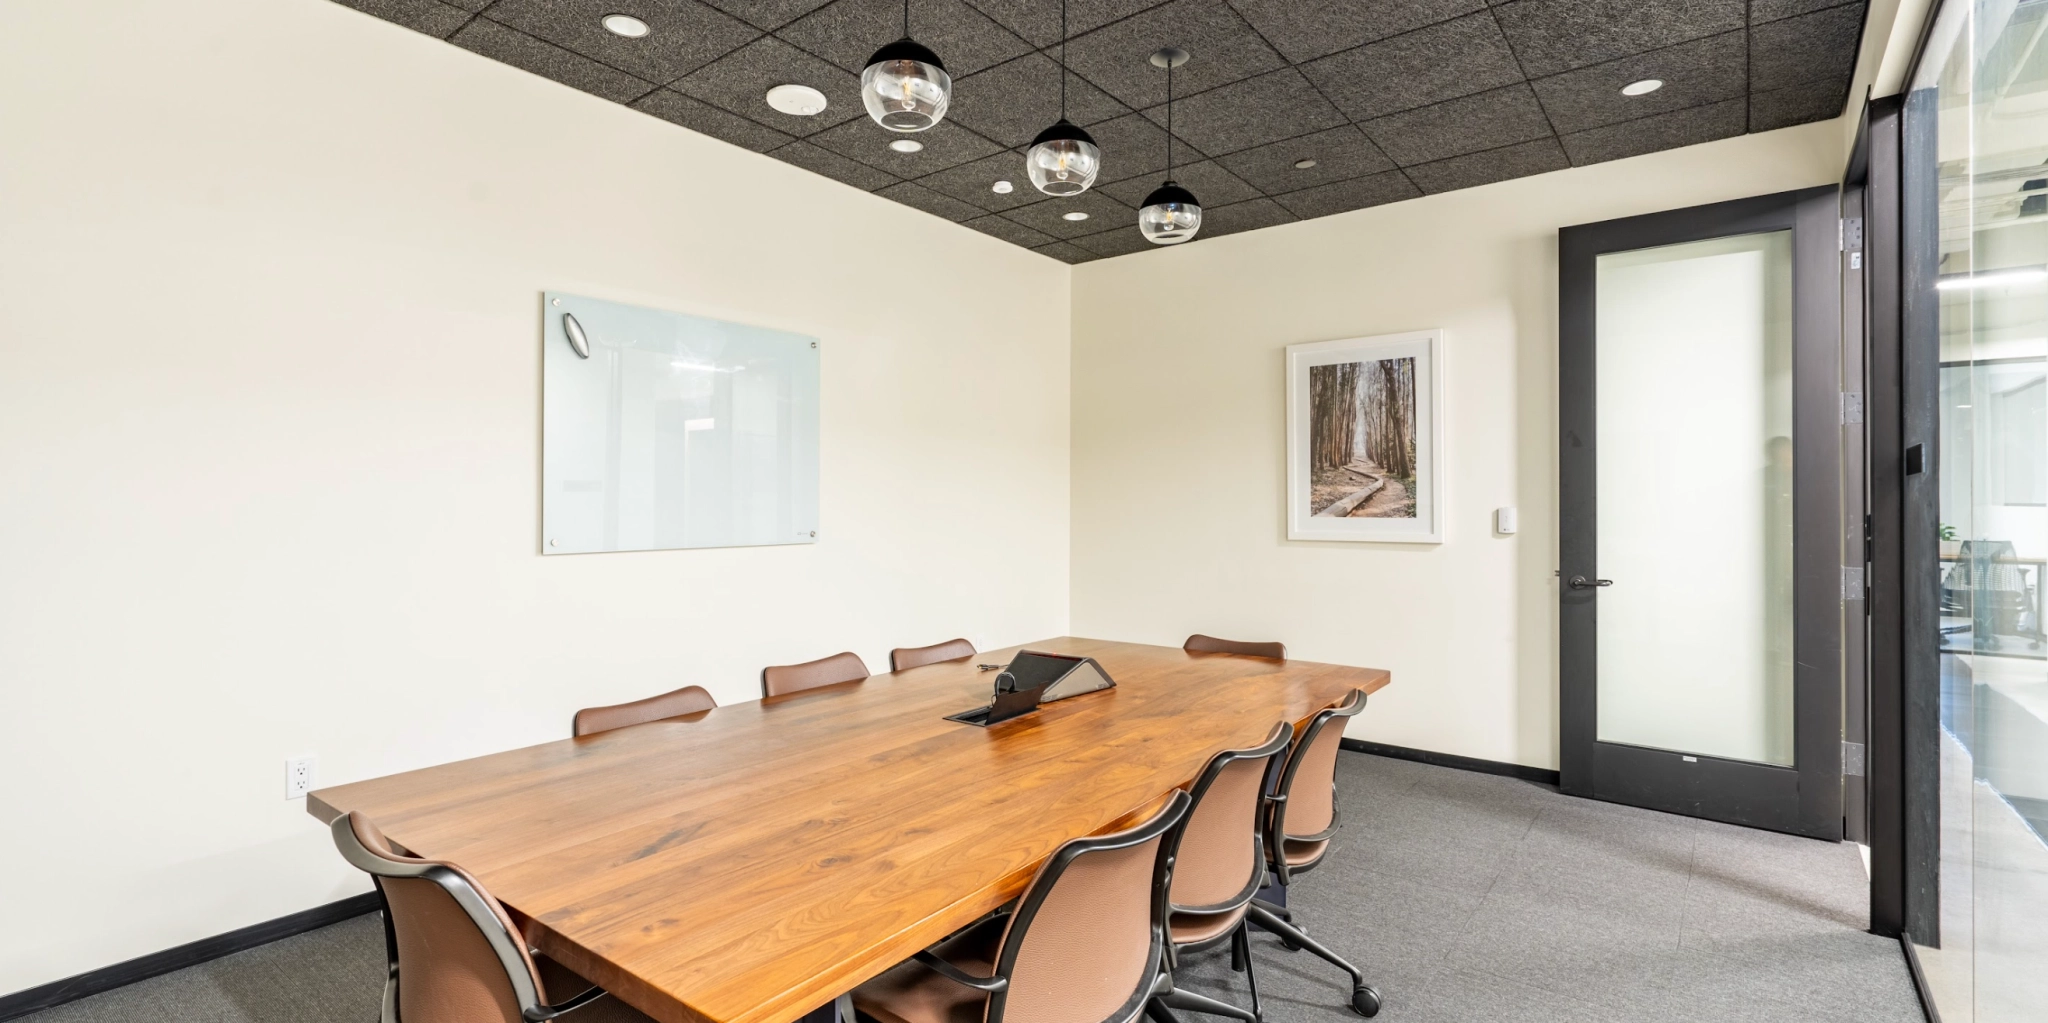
{"x":1063,"y":59}
{"x":906,"y":19}
{"x":1169,"y":118}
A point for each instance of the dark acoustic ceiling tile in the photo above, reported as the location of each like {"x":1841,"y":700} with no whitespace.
{"x":1518,"y":161}
{"x":1303,"y":31}
{"x":1455,"y":127}
{"x":684,"y":34}
{"x":1015,"y":100}
{"x":1049,"y":216}
{"x":430,"y":16}
{"x":472,"y":5}
{"x":1343,"y":196}
{"x":1761,"y":11}
{"x":1066,"y":252}
{"x":1725,"y":119}
{"x":945,"y":145}
{"x":768,"y":14}
{"x":1701,"y":71}
{"x":549,"y":61}
{"x":834,"y":166}
{"x":974,"y":182}
{"x":1340,"y":153}
{"x":1551,"y":36}
{"x":1455,"y":58}
{"x":1039,"y":21}
{"x":1132,"y":146}
{"x":723,"y":125}
{"x":1812,"y":47}
{"x":848,"y":32}
{"x":1271,"y":107}
{"x":916,"y":196}
{"x":1770,"y":109}
{"x":1221,"y":47}
{"x":1121,"y":242}
{"x":1249,"y":215}
{"x":1009,"y":231}
{"x":740,"y":80}
{"x":1211,"y":183}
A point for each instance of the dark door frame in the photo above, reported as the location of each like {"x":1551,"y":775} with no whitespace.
{"x":1805,"y":799}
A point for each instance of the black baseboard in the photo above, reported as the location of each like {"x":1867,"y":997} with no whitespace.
{"x":57,"y":992}
{"x":1919,"y":980}
{"x":1541,"y":775}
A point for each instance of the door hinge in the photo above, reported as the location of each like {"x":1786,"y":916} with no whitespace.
{"x":1852,"y":407}
{"x":1852,"y":759}
{"x":1852,"y":582}
{"x":1852,"y":234}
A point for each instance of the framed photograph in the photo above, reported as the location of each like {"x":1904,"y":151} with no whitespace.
{"x":1365,"y":439}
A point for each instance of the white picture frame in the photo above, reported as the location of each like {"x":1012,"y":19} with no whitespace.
{"x":1393,"y":386}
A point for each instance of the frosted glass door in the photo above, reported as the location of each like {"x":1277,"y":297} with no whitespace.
{"x":1694,"y":370}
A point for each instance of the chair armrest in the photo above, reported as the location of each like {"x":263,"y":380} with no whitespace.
{"x":548,"y":1012}
{"x":962,"y":977}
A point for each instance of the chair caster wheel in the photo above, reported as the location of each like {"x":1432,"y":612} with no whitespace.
{"x":1365,"y":1001}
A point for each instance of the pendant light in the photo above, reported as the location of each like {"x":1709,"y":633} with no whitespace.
{"x":1171,"y":214}
{"x":905,"y":87}
{"x":1063,"y":159}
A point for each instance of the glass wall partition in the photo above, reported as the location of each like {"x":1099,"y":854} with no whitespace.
{"x":1983,"y":83}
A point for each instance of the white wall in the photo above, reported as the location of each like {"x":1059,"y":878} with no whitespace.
{"x":269,"y":439}
{"x":1179,"y":499}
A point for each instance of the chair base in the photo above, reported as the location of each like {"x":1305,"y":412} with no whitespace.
{"x":1365,"y":1000}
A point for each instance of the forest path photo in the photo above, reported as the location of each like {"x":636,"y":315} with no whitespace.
{"x":1362,"y":440}
{"x":1360,"y":490}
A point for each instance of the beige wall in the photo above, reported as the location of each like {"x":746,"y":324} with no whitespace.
{"x":269,"y":439}
{"x":1178,"y":467}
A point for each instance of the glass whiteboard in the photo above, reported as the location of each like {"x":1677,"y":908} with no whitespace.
{"x":662,"y":430}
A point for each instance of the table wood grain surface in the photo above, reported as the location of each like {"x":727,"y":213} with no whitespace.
{"x":750,"y":863}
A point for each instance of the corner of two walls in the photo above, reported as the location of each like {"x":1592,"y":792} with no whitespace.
{"x":1180,"y":444}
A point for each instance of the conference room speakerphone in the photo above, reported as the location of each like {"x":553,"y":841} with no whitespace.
{"x":1032,"y":678}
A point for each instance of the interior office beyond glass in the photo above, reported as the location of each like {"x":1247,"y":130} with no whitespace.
{"x":1984,"y":81}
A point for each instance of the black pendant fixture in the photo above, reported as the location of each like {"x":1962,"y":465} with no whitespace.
{"x":1171,"y":214}
{"x":905,"y":87}
{"x":1063,"y":159}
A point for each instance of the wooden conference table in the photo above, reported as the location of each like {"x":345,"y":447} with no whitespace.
{"x":751,"y":863}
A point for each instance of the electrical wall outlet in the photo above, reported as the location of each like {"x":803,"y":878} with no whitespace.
{"x":298,"y":776}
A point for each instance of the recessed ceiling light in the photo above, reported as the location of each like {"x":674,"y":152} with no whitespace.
{"x":1642,"y":88}
{"x":800,"y":100}
{"x":1001,"y":188}
{"x":1076,"y":215}
{"x":907,"y":146}
{"x":624,"y":25}
{"x":1304,"y":163}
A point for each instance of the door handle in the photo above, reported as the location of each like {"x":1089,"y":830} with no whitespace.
{"x":1579,"y":582}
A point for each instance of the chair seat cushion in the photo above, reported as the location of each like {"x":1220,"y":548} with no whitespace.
{"x":912,"y":993}
{"x":1194,"y":928}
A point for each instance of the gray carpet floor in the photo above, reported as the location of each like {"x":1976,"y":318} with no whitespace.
{"x":1463,"y":897}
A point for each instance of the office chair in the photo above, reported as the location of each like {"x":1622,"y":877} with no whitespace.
{"x":783,"y":679}
{"x":906,"y":658}
{"x":1085,"y":944}
{"x":1301,"y":818}
{"x":687,"y":700}
{"x":1200,"y":644}
{"x":1218,"y":868}
{"x":454,"y":955}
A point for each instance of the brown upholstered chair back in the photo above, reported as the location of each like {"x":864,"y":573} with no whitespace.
{"x":1200,"y":644}
{"x":1216,"y":863}
{"x":783,"y":679}
{"x":905,"y":658}
{"x":687,"y":700}
{"x":1307,"y":810}
{"x":1087,"y":941}
{"x":460,"y":957}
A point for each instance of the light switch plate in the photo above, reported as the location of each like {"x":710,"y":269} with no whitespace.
{"x":1505,"y":521}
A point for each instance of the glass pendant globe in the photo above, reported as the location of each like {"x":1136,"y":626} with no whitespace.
{"x":1063,"y":160}
{"x":905,"y":88}
{"x":1171,"y":215}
